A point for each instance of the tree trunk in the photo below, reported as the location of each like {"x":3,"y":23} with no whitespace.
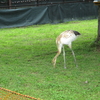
{"x":98,"y":36}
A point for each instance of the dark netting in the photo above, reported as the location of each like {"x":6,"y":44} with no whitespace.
{"x":47,"y":14}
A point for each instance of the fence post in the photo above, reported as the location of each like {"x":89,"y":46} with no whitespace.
{"x":9,"y":4}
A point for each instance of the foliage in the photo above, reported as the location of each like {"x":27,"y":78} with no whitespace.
{"x":25,"y":62}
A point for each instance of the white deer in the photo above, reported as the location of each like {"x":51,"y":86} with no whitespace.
{"x":65,"y":38}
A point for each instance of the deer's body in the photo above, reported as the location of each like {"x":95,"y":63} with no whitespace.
{"x":65,"y":38}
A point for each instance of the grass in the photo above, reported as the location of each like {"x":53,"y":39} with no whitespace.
{"x":25,"y":62}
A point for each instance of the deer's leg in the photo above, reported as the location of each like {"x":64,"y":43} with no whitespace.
{"x":73,"y":55}
{"x":64,"y":57}
{"x":58,"y":53}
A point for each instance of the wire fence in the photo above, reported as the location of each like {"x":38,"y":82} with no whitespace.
{"x":14,"y":4}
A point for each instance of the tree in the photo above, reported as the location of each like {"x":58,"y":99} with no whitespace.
{"x":98,"y":36}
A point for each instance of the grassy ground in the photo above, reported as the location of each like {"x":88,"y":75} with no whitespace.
{"x":25,"y":62}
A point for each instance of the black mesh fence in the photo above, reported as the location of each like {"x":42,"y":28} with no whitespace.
{"x":47,"y":14}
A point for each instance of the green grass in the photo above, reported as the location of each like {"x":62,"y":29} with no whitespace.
{"x":25,"y":62}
